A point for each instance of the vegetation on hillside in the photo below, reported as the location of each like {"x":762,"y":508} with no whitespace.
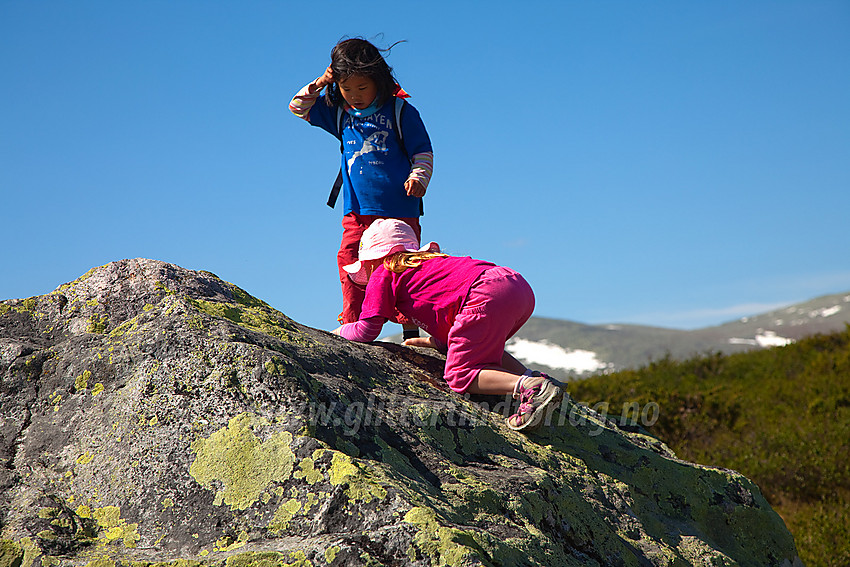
{"x":780,"y":416}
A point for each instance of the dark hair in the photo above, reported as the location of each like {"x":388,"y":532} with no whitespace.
{"x":356,"y":56}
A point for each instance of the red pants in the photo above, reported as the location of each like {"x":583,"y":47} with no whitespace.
{"x":353,"y":226}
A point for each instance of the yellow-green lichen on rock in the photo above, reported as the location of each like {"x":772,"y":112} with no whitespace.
{"x":82,"y":381}
{"x":112,"y":527}
{"x":447,"y":545}
{"x":124,"y":328}
{"x":228,"y":544}
{"x":362,"y":485}
{"x":284,"y":514}
{"x":245,"y":466}
{"x":268,"y":559}
{"x":85,"y":458}
{"x":308,"y":470}
{"x":11,"y":554}
{"x":97,"y":324}
{"x":251,"y":313}
{"x":21,"y":553}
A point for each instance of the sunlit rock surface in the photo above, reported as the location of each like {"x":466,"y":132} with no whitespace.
{"x":155,"y":415}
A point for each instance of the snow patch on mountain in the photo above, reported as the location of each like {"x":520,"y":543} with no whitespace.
{"x":828,"y":311}
{"x":764,"y":339}
{"x":796,"y":315}
{"x":554,"y":356}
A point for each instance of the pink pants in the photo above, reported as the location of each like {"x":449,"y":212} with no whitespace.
{"x":499,"y":303}
{"x":353,"y":226}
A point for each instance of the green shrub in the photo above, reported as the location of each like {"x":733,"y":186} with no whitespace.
{"x":780,"y":416}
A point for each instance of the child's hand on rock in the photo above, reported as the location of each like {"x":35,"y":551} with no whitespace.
{"x":424,"y":342}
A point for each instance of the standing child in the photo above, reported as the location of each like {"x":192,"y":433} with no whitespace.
{"x":470,"y":307}
{"x":386,"y":166}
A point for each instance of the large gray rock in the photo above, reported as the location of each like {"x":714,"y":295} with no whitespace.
{"x":156,"y":414}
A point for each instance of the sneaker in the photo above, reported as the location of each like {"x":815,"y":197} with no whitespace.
{"x":536,"y":394}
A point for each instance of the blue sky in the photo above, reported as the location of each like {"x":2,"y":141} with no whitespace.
{"x":678,"y":164}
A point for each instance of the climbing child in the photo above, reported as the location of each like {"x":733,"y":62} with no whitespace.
{"x":469,"y":307}
{"x":386,"y":152}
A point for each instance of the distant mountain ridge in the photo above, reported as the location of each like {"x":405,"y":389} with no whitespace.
{"x":568,"y":350}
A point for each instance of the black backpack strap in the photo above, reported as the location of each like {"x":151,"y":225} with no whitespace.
{"x":338,"y":183}
{"x":335,"y":189}
{"x":400,"y":105}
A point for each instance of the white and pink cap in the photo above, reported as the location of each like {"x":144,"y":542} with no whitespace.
{"x":382,"y":238}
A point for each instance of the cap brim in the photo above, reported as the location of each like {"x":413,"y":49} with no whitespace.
{"x":353,"y":268}
{"x":356,"y":273}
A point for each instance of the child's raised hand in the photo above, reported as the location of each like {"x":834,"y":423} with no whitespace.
{"x":414,"y":188}
{"x":326,"y":79}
